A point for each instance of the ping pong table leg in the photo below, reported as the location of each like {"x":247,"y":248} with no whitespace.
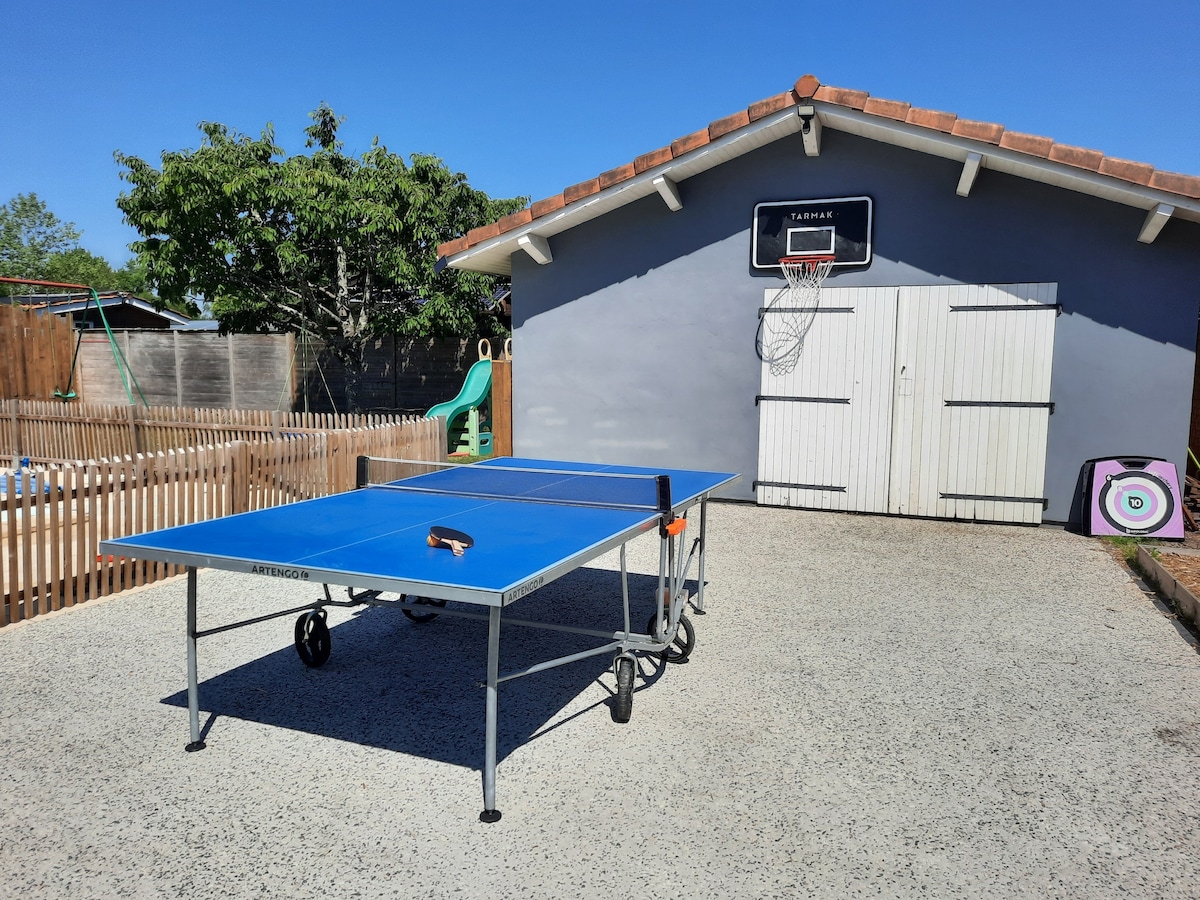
{"x":490,"y":813}
{"x":664,"y":542}
{"x":698,"y":602}
{"x":193,"y":677}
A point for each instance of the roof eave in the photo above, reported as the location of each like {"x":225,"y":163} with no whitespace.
{"x":494,"y":255}
{"x":1012,"y":162}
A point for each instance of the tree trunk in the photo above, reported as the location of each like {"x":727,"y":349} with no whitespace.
{"x":351,"y":346}
{"x":353,"y":358}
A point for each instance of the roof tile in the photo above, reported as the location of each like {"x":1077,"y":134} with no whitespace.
{"x":806,"y":86}
{"x":1076,"y":156}
{"x":931,"y":118}
{"x":545,"y":207}
{"x":724,"y":126}
{"x":891,"y":109}
{"x":515,"y":220}
{"x":978,"y":131}
{"x":689,"y":142}
{"x":809,"y":87}
{"x":652,"y":159}
{"x":841,"y":96}
{"x":616,"y":176}
{"x":458,"y":245}
{"x":581,"y":190}
{"x":764,"y":108}
{"x":1138,"y":173}
{"x":1187,"y":185}
{"x":486,"y":232}
{"x":1027,"y":143}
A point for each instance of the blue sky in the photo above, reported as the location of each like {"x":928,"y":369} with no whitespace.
{"x":529,"y":98}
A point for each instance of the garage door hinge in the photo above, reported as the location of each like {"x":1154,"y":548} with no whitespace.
{"x":800,"y":487}
{"x":1042,"y":500}
{"x":1002,"y":404}
{"x":784,"y":399}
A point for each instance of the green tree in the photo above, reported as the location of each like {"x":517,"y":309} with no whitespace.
{"x":79,"y":266}
{"x":320,"y":243}
{"x":30,"y":235}
{"x":36,"y":244}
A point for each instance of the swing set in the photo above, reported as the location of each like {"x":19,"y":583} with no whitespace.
{"x":67,"y":393}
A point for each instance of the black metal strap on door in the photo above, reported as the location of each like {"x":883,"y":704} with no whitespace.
{"x":800,"y":487}
{"x":778,"y":398}
{"x":1017,"y":307}
{"x":804,"y":309}
{"x":1042,"y":500}
{"x":1003,"y":404}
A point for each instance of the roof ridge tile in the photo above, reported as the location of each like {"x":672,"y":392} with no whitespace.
{"x":931,"y":118}
{"x":764,"y":108}
{"x":1176,"y":183}
{"x":989,"y":132}
{"x":842,"y":96}
{"x":1079,"y":157}
{"x":890,"y":109}
{"x":689,"y":142}
{"x":581,"y":190}
{"x":728,"y":124}
{"x":1032,"y":144}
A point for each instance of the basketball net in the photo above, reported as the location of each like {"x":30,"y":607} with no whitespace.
{"x":787,"y":320}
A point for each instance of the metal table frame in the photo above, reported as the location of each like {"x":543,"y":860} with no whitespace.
{"x":674,"y":567}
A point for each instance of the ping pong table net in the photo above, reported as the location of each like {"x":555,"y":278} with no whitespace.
{"x":651,"y":493}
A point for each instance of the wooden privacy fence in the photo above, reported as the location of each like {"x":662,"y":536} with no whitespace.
{"x":55,"y":431}
{"x":257,"y":371}
{"x":36,"y":350}
{"x":52,"y":522}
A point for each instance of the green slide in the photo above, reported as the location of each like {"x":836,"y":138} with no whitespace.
{"x":474,"y":393}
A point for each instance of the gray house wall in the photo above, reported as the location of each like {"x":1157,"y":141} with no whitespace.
{"x":636,"y":345}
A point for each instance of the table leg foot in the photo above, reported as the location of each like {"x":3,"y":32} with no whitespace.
{"x":194,"y":746}
{"x":490,"y":816}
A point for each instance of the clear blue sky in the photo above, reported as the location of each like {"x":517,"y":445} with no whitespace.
{"x":529,"y":97}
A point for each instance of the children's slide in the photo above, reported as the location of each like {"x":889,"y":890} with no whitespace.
{"x":475,"y":391}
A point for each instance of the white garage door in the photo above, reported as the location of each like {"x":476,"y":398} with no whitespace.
{"x":924,"y":401}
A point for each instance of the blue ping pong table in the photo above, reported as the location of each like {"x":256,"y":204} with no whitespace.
{"x":527,"y":522}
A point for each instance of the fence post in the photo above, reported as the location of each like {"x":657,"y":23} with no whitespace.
{"x":335,"y":450}
{"x":239,"y":476}
{"x":502,"y":439}
{"x":15,"y":425}
{"x":131,"y":417}
{"x":233,"y":404}
{"x":178,"y":367}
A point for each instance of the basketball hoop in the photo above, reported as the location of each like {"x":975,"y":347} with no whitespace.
{"x":786,"y":321}
{"x":805,"y":274}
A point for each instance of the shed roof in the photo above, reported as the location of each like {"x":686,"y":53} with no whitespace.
{"x":62,"y":304}
{"x":808,"y":107}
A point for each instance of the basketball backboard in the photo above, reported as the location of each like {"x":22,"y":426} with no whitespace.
{"x":837,"y":225}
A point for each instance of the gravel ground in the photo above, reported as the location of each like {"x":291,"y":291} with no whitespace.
{"x":875,"y":708}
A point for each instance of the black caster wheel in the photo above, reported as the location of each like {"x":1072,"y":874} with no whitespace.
{"x":312,"y":638}
{"x":685,"y":639}
{"x":423,"y":601}
{"x":623,"y":703}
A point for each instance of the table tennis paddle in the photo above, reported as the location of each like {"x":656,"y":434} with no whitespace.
{"x":457,"y":541}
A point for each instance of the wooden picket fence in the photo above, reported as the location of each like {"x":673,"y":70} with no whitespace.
{"x":52,"y":521}
{"x":53,"y":431}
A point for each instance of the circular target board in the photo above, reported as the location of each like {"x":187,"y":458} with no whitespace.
{"x":1136,"y":502}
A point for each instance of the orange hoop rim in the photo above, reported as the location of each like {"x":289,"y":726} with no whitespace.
{"x":815,"y":259}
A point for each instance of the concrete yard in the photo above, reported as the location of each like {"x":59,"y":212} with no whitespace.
{"x":875,"y":708}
